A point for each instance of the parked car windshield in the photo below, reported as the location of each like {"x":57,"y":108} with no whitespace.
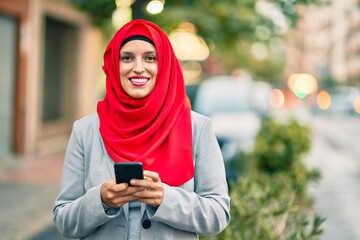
{"x":223,"y":94}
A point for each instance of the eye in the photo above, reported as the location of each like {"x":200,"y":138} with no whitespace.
{"x":150,"y":58}
{"x":126,"y":58}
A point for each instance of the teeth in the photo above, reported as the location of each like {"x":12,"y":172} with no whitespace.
{"x":139,"y":80}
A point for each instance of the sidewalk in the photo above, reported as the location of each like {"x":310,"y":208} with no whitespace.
{"x":28,"y":189}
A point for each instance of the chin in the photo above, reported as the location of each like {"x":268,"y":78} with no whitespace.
{"x":139,"y":95}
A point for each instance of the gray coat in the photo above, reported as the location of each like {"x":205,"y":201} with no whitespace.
{"x":199,"y":207}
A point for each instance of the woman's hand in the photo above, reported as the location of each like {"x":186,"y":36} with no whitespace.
{"x":116,"y":195}
{"x":153,"y":189}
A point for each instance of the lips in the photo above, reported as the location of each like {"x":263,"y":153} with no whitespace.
{"x":139,"y":81}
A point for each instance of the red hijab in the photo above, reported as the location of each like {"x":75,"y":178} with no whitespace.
{"x":155,"y":130}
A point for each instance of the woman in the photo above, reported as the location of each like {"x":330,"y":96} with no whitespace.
{"x":144,"y":117}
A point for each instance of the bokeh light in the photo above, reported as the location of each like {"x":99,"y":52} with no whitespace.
{"x":155,"y":6}
{"x":121,"y":16}
{"x":124,"y":3}
{"x":277,"y":98}
{"x":192,"y":71}
{"x":188,"y":46}
{"x":259,"y":51}
{"x":323,"y":99}
{"x":302,"y":84}
{"x":357,"y":104}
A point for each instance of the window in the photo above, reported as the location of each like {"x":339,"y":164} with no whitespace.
{"x":59,"y":77}
{"x":8,"y":40}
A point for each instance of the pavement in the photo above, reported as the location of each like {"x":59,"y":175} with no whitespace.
{"x":28,"y":188}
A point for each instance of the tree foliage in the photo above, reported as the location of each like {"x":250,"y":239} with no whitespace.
{"x":99,"y":10}
{"x":231,"y":26}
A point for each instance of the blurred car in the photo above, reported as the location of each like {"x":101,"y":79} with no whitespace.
{"x":236,"y":106}
{"x":341,"y":101}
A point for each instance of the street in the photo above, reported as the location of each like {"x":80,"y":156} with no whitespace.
{"x":49,"y":233}
{"x":336,"y":154}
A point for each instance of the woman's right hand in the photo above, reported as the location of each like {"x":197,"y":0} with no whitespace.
{"x":116,"y":195}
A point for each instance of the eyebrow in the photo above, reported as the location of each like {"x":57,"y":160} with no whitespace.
{"x":148,"y":52}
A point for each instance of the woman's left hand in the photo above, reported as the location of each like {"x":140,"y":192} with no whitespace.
{"x":153,"y":188}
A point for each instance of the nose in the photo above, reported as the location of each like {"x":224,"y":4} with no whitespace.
{"x":138,"y":67}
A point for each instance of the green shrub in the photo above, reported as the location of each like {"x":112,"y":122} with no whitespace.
{"x":268,"y":207}
{"x":270,"y":199}
{"x":279,"y":146}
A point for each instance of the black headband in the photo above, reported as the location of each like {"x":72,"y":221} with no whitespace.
{"x":136,"y":37}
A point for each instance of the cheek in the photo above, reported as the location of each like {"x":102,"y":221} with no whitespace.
{"x":155,"y":72}
{"x":123,"y":68}
{"x":123,"y":71}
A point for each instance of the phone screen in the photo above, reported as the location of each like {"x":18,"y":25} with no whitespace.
{"x":125,"y":171}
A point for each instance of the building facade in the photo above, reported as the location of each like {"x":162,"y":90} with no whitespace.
{"x":50,"y":63}
{"x":326,"y":42}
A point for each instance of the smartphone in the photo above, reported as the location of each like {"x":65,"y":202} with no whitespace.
{"x":125,"y":171}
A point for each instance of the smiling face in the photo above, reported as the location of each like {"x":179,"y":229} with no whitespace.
{"x":138,"y":68}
